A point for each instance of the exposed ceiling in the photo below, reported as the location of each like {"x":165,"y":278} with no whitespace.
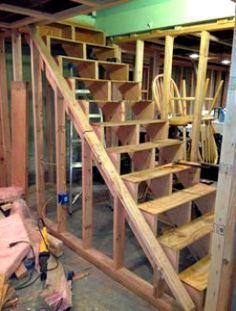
{"x":18,"y":13}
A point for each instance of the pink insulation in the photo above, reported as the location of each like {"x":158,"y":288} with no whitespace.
{"x":12,"y":229}
{"x":10,"y":193}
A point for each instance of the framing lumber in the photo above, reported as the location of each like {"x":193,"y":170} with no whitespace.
{"x":169,"y":46}
{"x":219,"y":25}
{"x":200,"y":94}
{"x":138,"y":70}
{"x":142,"y":231}
{"x":5,"y":121}
{"x":36,"y":78}
{"x":87,"y":196}
{"x":49,"y":128}
{"x":223,"y":264}
{"x":16,"y":56}
{"x":60,"y":130}
{"x":19,"y":126}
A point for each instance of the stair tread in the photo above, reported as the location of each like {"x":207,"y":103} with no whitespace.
{"x":128,"y":122}
{"x":79,"y":59}
{"x":196,"y":276}
{"x":144,"y":146}
{"x":80,"y":42}
{"x":156,"y":172}
{"x":185,"y":235}
{"x":176,"y":199}
{"x":184,"y":120}
{"x":103,"y":80}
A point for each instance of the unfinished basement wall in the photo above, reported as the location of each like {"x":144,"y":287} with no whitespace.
{"x":144,"y":15}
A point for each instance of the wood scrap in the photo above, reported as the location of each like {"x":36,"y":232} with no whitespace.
{"x":55,"y":245}
{"x":21,"y":271}
{"x":6,"y":206}
{"x":6,"y":292}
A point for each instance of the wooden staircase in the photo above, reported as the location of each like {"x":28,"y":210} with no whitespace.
{"x":132,"y":131}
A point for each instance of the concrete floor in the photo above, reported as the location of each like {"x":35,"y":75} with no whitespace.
{"x":97,"y":291}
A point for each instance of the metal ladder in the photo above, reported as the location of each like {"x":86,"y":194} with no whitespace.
{"x":75,"y":164}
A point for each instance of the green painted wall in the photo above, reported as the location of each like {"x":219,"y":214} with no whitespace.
{"x":83,"y":19}
{"x":143,"y":15}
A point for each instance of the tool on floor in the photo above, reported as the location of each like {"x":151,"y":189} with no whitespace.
{"x":43,"y":254}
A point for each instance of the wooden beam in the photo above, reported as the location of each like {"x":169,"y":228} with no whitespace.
{"x":86,"y":2}
{"x":200,"y":94}
{"x":138,"y":69}
{"x":179,"y":31}
{"x":223,"y":253}
{"x":142,"y":231}
{"x":5,"y":121}
{"x":19,"y":126}
{"x":169,"y":46}
{"x":36,"y":80}
{"x":17,"y":56}
{"x":87,"y":195}
{"x":24,"y":11}
{"x":60,"y":130}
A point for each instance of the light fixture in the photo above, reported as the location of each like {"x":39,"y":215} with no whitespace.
{"x":225,"y":62}
{"x":194,"y":56}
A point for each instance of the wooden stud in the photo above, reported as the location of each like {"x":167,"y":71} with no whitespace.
{"x":87,"y":196}
{"x":169,"y":45}
{"x":5,"y":161}
{"x":223,"y":260}
{"x":17,"y":56}
{"x":119,"y":234}
{"x":20,"y":128}
{"x":36,"y":78}
{"x":49,"y":129}
{"x":60,"y":158}
{"x":200,"y":94}
{"x":138,"y":69}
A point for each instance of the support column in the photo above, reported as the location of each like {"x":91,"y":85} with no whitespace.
{"x":87,"y":195}
{"x":169,"y":46}
{"x":138,"y":69}
{"x":223,"y":254}
{"x":36,"y":78}
{"x":60,"y":158}
{"x":19,"y":127}
{"x":5,"y":140}
{"x":200,"y":94}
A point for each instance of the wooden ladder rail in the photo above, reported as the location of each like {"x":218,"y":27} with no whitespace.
{"x":142,"y":231}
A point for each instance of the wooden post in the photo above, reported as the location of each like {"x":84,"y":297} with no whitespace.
{"x":49,"y":129}
{"x":17,"y":56}
{"x":169,"y":46}
{"x":223,"y":255}
{"x":5,"y":148}
{"x":19,"y":126}
{"x":60,"y":120}
{"x":200,"y":94}
{"x":119,"y":234}
{"x":36,"y":78}
{"x":87,"y":195}
{"x":138,"y":70}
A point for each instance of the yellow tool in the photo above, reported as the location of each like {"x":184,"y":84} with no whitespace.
{"x":43,"y":254}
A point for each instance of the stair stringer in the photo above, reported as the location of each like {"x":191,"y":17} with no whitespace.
{"x":139,"y":226}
